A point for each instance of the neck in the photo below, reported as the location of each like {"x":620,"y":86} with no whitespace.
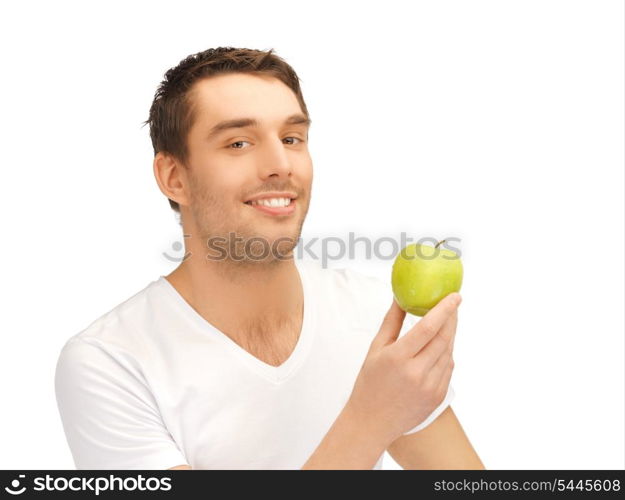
{"x":242,"y":298}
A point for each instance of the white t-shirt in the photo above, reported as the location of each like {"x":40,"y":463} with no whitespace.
{"x":152,"y":385}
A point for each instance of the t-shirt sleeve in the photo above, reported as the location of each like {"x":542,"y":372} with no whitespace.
{"x":109,"y":415}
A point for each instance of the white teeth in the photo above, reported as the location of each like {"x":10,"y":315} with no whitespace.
{"x":273,"y":202}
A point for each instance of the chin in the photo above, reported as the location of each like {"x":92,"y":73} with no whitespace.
{"x":277,"y":244}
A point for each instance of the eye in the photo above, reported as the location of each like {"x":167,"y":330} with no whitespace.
{"x":296,"y":138}
{"x":237,"y":142}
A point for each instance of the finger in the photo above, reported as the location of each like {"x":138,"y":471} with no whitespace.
{"x":455,"y":329}
{"x":441,"y":346}
{"x":434,"y":368}
{"x":448,"y":330}
{"x":390,"y":328}
{"x":419,"y":335}
{"x":446,"y":377}
{"x":434,"y":355}
{"x":446,"y":333}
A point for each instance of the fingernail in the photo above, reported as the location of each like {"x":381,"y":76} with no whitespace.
{"x":457,"y":299}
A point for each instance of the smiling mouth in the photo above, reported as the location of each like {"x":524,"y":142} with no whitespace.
{"x":273,"y":207}
{"x":272,"y":202}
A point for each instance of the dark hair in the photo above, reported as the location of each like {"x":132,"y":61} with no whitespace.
{"x":172,"y":113}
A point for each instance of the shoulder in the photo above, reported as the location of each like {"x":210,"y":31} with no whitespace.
{"x":85,"y":362}
{"x":122,"y":324}
{"x":113,"y":343}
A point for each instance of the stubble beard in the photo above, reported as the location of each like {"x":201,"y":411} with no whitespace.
{"x":238,"y":256}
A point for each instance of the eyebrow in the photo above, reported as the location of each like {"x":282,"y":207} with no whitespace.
{"x":297,"y":119}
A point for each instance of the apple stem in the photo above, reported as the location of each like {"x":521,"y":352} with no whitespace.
{"x":442,"y":241}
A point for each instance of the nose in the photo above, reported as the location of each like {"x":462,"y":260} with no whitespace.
{"x":275,"y":161}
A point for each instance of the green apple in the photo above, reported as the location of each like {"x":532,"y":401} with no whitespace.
{"x":422,"y":275}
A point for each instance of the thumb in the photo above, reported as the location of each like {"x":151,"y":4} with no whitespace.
{"x":390,"y":328}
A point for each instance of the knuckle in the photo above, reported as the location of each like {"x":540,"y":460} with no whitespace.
{"x":417,"y":375}
{"x":428,"y":329}
{"x":442,"y":346}
{"x":396,"y":356}
{"x":433,"y":395}
{"x":390,"y":358}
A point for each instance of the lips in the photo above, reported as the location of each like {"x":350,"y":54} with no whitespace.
{"x":272,"y":202}
{"x":272,"y":195}
{"x":283,"y":209}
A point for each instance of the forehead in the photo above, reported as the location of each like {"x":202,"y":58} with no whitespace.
{"x":234,"y":95}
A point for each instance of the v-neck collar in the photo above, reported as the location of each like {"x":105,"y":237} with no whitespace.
{"x":275,"y":374}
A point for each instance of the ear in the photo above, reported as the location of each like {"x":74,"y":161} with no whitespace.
{"x":170,"y":178}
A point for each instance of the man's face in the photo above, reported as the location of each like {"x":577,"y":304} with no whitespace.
{"x":229,"y":166}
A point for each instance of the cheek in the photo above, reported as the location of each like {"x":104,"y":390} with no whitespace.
{"x":304,"y":169}
{"x":227,"y":184}
{"x":307,"y":176}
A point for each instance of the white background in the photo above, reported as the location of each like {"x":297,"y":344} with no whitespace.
{"x":496,"y":122}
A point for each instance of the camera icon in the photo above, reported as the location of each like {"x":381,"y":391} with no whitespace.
{"x":177,"y":246}
{"x":15,"y":484}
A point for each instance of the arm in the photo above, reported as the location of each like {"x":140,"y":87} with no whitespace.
{"x":441,"y":445}
{"x":349,"y":444}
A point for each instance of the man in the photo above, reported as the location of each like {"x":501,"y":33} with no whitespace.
{"x":243,"y":357}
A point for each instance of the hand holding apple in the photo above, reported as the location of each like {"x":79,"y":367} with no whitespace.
{"x":403,"y":380}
